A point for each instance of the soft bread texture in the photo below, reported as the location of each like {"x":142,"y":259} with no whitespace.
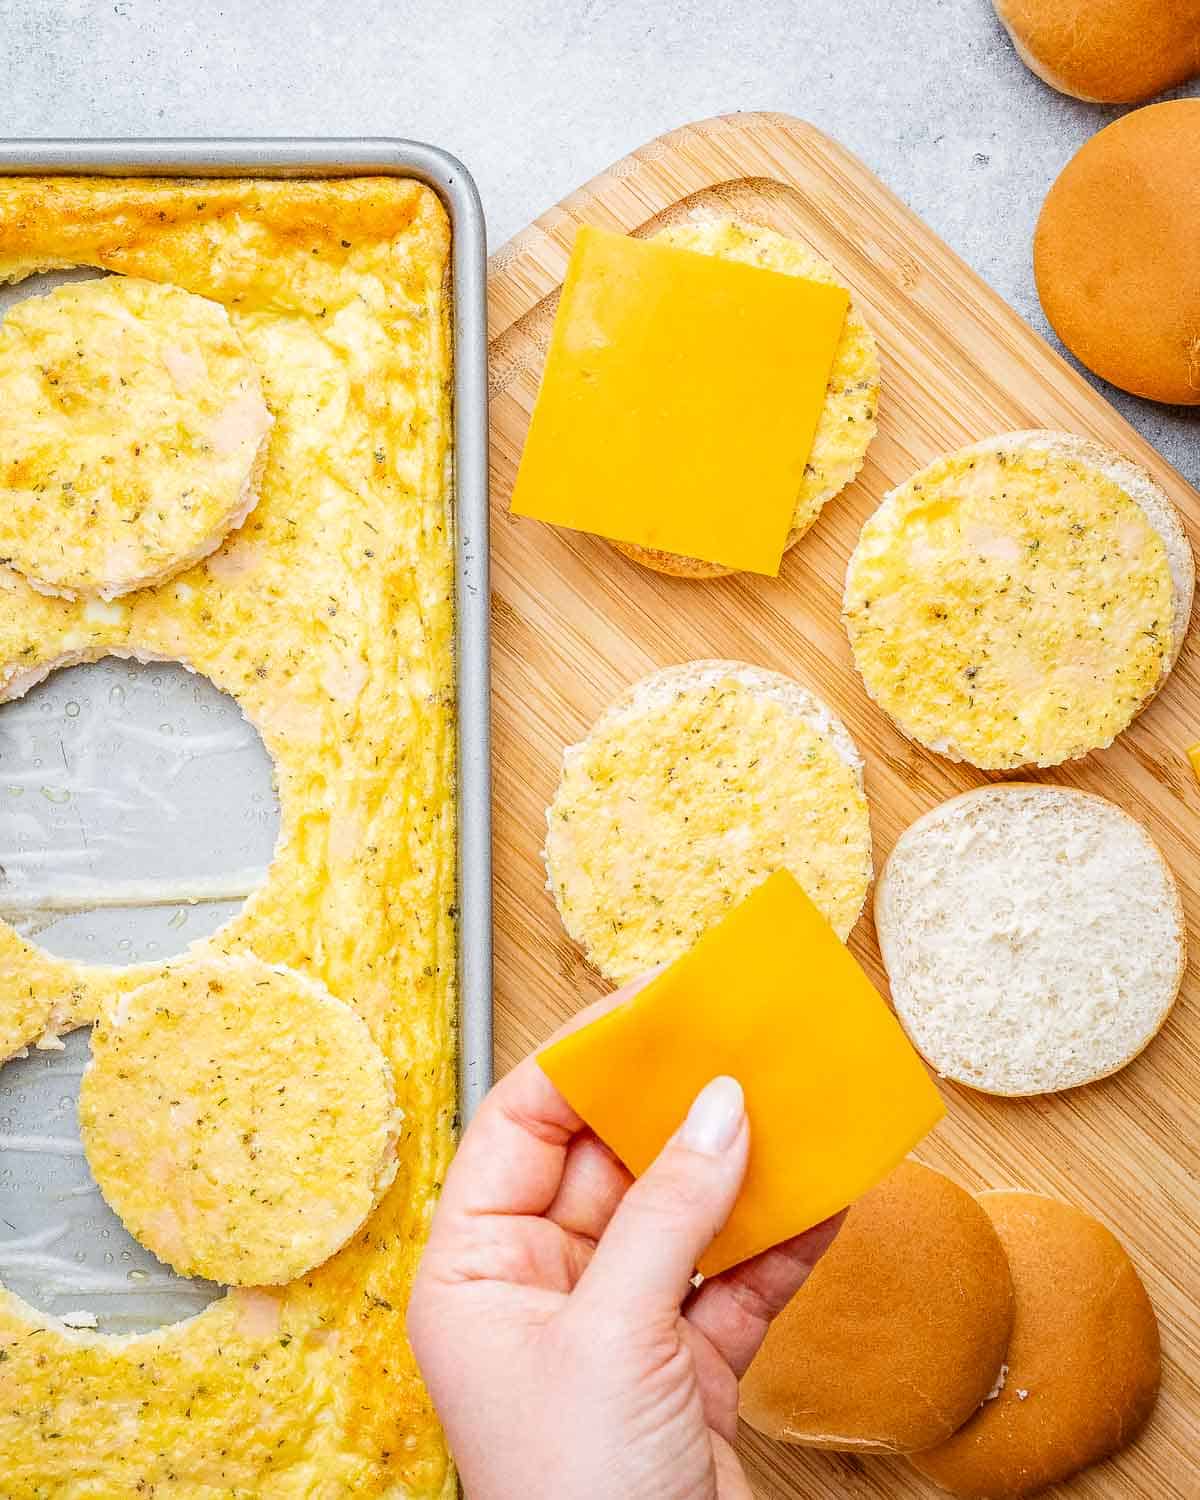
{"x":1114,"y":253}
{"x":847,"y":422}
{"x":329,"y":617}
{"x":1020,"y":601}
{"x":1033,"y":937}
{"x":239,"y":1119}
{"x":1084,"y":1361}
{"x":133,"y":435}
{"x":899,"y":1332}
{"x":692,"y":788}
{"x":1106,"y":51}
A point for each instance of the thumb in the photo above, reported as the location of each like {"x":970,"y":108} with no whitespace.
{"x":673,"y":1212}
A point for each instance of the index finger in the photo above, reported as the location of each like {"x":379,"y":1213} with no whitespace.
{"x":511,"y":1157}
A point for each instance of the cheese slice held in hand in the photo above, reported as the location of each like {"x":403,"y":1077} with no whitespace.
{"x":835,"y":1094}
{"x":679,"y":401}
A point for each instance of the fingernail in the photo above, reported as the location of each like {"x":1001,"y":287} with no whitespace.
{"x":715,"y":1117}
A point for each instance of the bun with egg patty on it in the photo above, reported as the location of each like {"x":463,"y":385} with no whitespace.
{"x":846,"y":425}
{"x":1020,"y":601}
{"x":695,"y":785}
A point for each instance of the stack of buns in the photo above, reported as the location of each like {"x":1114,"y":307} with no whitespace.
{"x":1005,"y":1342}
{"x":1114,"y":253}
{"x":899,"y":1333}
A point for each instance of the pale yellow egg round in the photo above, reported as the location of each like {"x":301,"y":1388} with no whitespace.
{"x":133,"y":434}
{"x":239,"y":1119}
{"x":702,"y":780}
{"x":1020,"y":601}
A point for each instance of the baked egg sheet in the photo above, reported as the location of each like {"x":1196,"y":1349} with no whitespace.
{"x":328,"y":616}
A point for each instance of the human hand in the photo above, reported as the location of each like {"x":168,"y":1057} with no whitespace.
{"x":553,"y":1315}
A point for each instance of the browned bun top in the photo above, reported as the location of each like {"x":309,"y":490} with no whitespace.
{"x":1083,"y":1364}
{"x":1114,"y":51}
{"x":1115,"y":253}
{"x":900,"y":1331}
{"x":672,"y":563}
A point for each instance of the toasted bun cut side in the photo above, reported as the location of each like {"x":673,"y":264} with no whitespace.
{"x":1083,"y":1363}
{"x":1106,"y":51}
{"x":1020,"y":601}
{"x":1114,"y":253}
{"x":133,"y":435}
{"x":847,"y":422}
{"x":900,"y":1331}
{"x":698,"y":783}
{"x":239,"y":1119}
{"x":1033,"y":937}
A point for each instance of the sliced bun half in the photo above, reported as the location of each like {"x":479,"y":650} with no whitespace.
{"x":1033,"y":937}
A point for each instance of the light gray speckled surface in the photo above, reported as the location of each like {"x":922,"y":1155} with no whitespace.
{"x":538,"y":95}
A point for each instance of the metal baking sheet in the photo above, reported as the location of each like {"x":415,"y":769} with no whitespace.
{"x":96,"y":762}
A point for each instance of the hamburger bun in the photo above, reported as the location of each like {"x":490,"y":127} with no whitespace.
{"x":1083,"y":1364}
{"x":1033,"y":937}
{"x":1114,"y":253}
{"x":847,"y":422}
{"x":899,"y":1332}
{"x":1106,"y":51}
{"x":1020,"y":601}
{"x":692,"y":788}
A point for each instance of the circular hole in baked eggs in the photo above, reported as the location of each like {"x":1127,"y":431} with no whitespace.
{"x":137,"y":811}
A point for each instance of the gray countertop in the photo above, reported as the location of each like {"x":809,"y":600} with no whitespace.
{"x":538,"y":95}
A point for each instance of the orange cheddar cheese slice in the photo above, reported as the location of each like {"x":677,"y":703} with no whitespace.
{"x":1193,"y":755}
{"x":835,"y":1094}
{"x":679,"y":400}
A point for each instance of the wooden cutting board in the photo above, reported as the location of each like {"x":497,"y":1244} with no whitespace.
{"x":575,"y":623}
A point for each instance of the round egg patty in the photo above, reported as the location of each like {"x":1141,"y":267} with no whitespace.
{"x":1018,"y":602}
{"x":239,"y":1119}
{"x":702,"y":780}
{"x":133,"y":433}
{"x":847,"y":421}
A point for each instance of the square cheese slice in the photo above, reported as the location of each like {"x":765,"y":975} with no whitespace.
{"x":835,"y":1094}
{"x":679,"y":400}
